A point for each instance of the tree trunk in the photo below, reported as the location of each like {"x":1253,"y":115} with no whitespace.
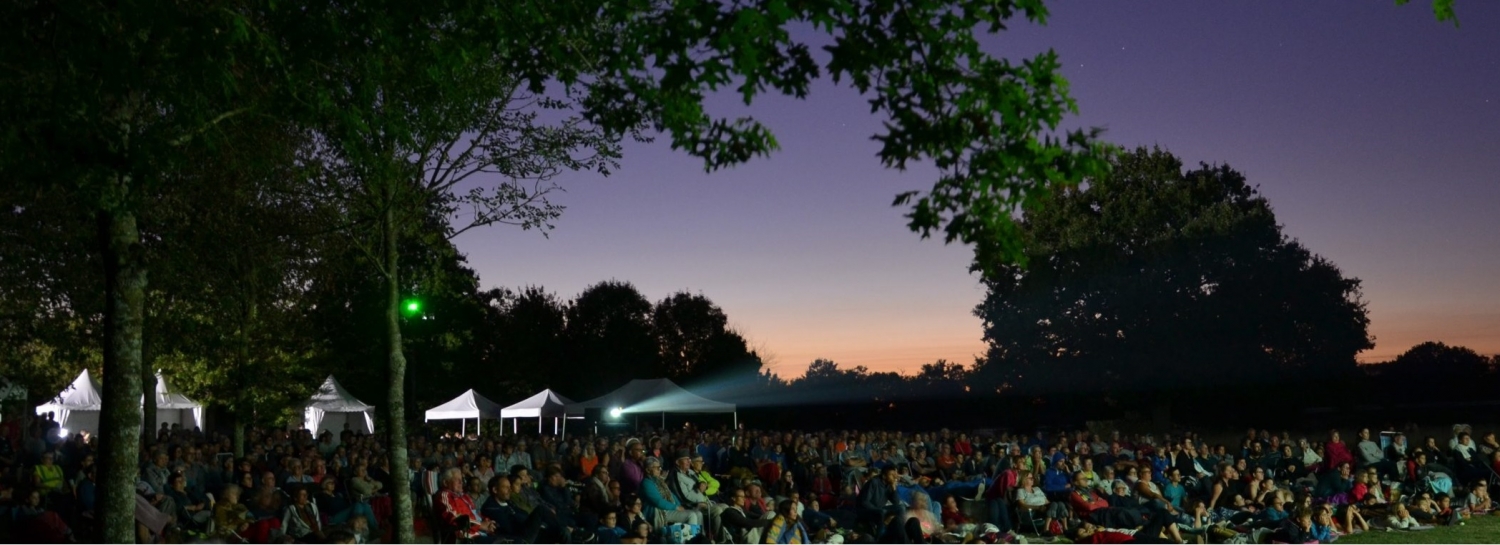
{"x":239,"y":437}
{"x":396,"y":433}
{"x":248,"y":316}
{"x":148,"y":391}
{"x":120,"y":418}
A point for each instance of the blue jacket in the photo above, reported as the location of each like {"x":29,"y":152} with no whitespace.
{"x":1054,"y":480}
{"x":656,"y":498}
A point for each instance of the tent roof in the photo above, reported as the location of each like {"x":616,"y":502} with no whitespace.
{"x":545,"y":402}
{"x":82,"y":395}
{"x":467,"y":405}
{"x":332,"y":397}
{"x":654,"y":396}
{"x":166,"y":398}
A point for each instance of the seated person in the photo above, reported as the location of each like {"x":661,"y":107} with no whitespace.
{"x":1055,"y":481}
{"x":736,"y":521}
{"x":1336,"y":485}
{"x":337,"y":507}
{"x":639,"y":534}
{"x":609,"y":531}
{"x":817,"y":520}
{"x":1084,"y":500}
{"x":510,"y":521}
{"x":266,"y":501}
{"x":786,"y":526}
{"x":877,"y":499}
{"x":456,"y":509}
{"x":1032,"y":501}
{"x":47,"y":477}
{"x":193,"y":511}
{"x":301,"y":521}
{"x":1478,"y":502}
{"x":233,"y":521}
{"x":34,"y":523}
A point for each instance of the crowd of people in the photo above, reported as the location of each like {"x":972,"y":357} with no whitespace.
{"x":747,"y":486}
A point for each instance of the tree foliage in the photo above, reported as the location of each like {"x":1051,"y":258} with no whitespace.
{"x":1153,"y":275}
{"x":695,"y":343}
{"x":610,"y":338}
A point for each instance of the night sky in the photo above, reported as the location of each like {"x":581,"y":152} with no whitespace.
{"x":1374,"y":131}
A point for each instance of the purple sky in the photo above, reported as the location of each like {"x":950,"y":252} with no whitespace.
{"x":1374,"y":131}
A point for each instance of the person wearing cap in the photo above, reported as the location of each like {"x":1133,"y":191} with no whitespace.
{"x":660,"y":503}
{"x":690,"y":490}
{"x":710,"y":484}
{"x":683,"y":482}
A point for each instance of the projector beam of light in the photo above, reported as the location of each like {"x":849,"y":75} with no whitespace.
{"x":754,"y":393}
{"x":616,"y":412}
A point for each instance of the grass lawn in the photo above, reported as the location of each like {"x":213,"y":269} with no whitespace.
{"x":1477,"y":530}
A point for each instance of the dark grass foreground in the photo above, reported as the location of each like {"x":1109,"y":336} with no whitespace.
{"x":1477,"y":530}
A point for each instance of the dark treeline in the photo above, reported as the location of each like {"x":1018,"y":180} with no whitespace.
{"x":1156,"y":290}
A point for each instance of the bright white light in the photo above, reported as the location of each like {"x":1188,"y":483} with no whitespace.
{"x":62,"y":432}
{"x":616,"y":412}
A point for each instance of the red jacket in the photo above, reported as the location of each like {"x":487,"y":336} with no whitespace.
{"x":1108,"y":537}
{"x":451,"y":506}
{"x":1337,"y":453}
{"x":1082,"y":505}
{"x":954,"y":517}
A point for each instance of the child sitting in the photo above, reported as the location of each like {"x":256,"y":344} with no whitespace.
{"x":1479,"y":502}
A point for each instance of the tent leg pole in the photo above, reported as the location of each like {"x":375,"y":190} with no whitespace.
{"x":736,"y":420}
{"x":463,"y":426}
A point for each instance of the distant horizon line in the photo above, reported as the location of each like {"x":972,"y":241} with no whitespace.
{"x":905,"y":371}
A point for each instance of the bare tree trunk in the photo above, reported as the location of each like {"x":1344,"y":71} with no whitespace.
{"x":120,"y":418}
{"x":396,"y":432}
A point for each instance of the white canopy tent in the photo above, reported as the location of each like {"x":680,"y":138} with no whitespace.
{"x":467,"y":405}
{"x":175,"y":408}
{"x":655,"y":396}
{"x":545,"y":404}
{"x":331,"y":407}
{"x":77,"y":407}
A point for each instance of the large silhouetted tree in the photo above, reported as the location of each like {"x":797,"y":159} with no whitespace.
{"x":1154,"y":276}
{"x":609,"y":338}
{"x":695,"y":341}
{"x":531,"y":332}
{"x":1433,"y":370}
